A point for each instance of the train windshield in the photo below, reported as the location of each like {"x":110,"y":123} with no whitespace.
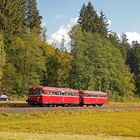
{"x":36,"y":92}
{"x":39,"y":91}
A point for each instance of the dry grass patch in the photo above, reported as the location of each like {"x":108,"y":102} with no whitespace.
{"x":36,"y":136}
{"x":117,"y":123}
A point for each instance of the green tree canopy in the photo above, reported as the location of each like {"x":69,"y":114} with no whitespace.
{"x":98,"y":64}
{"x":26,"y":63}
{"x":2,"y":58}
{"x":12,"y":16}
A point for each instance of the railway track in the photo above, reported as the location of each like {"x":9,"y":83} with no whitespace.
{"x":55,"y":109}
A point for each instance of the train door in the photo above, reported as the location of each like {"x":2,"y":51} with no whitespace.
{"x":81,"y":95}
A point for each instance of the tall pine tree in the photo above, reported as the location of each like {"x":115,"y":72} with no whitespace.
{"x":88,"y":18}
{"x":91,"y":22}
{"x":33,"y":19}
{"x":125,"y":47}
{"x":102,"y":25}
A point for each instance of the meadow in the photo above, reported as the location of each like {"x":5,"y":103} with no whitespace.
{"x":71,"y":125}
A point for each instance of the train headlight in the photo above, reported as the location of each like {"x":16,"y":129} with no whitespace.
{"x":38,"y":98}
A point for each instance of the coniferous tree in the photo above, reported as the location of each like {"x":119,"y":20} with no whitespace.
{"x":88,"y":18}
{"x":102,"y":25}
{"x":114,"y":39}
{"x":134,"y":63}
{"x":91,"y":22}
{"x":33,"y":19}
{"x":124,"y":47}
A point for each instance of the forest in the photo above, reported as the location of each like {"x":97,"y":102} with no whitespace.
{"x":97,"y":59}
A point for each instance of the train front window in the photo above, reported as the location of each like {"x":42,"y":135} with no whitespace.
{"x":39,"y":92}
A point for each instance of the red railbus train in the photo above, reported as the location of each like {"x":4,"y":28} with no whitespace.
{"x":52,"y":96}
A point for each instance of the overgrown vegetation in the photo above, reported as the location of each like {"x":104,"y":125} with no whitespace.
{"x":97,"y":60}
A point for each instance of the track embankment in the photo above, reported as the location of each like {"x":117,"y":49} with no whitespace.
{"x":18,"y":107}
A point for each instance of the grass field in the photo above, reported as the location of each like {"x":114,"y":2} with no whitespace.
{"x":35,"y":136}
{"x":71,"y":125}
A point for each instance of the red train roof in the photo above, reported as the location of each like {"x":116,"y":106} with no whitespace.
{"x":68,"y":90}
{"x":55,"y":88}
{"x":93,"y":92}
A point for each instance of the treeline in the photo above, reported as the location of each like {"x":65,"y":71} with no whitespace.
{"x":98,"y":59}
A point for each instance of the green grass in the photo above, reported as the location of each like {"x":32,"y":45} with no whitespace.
{"x":113,"y":123}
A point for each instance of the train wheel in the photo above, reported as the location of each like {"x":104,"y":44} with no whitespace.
{"x":100,"y":104}
{"x":63,"y":105}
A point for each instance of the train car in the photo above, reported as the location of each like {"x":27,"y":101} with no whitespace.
{"x":51,"y":96}
{"x":93,"y":98}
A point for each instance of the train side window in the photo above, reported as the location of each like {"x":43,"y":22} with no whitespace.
{"x":56,"y":93}
{"x":62,"y":93}
{"x":95,"y":95}
{"x":73,"y":94}
{"x":67,"y":94}
{"x":51,"y":93}
{"x":88,"y":95}
{"x":103,"y":96}
{"x":99,"y":95}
